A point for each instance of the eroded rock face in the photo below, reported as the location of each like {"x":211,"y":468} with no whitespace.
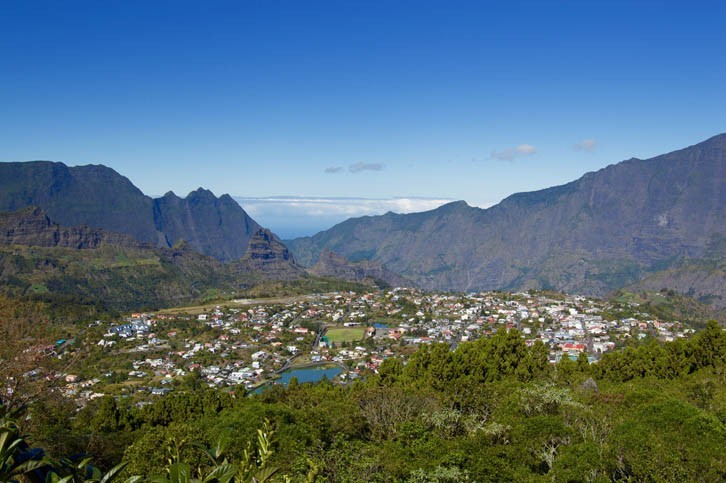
{"x":267,"y":254}
{"x":218,"y":227}
{"x":32,"y":227}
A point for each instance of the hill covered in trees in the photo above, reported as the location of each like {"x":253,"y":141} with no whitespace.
{"x":492,"y":410}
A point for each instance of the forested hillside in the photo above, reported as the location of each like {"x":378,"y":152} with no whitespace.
{"x":492,"y":410}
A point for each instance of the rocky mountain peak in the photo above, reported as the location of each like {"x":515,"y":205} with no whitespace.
{"x":266,"y":253}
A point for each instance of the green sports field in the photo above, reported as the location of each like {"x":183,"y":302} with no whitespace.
{"x":345,"y":334}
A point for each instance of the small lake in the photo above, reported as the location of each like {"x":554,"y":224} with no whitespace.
{"x":304,"y":374}
{"x":309,"y":374}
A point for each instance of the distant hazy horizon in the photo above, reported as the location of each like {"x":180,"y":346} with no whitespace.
{"x":297,"y":216}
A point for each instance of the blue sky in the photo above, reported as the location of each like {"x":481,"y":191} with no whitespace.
{"x":357,"y":99}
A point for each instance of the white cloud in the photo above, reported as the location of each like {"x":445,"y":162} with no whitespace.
{"x":586,"y":145}
{"x":358,"y":167}
{"x":526,"y":149}
{"x":510,"y":153}
{"x":334,"y":169}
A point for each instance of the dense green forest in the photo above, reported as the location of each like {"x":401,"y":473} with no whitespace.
{"x":492,"y":410}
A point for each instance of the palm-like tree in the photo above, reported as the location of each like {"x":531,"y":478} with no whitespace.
{"x":253,"y":468}
{"x":86,"y":473}
{"x":16,"y":459}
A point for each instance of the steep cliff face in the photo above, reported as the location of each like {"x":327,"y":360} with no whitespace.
{"x":211,"y":225}
{"x":266,"y":254}
{"x":32,"y":227}
{"x":604,"y":231}
{"x":98,"y":197}
{"x":92,"y":195}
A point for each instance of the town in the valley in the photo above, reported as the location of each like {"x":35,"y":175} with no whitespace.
{"x":250,"y":345}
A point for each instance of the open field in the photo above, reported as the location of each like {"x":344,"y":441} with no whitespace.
{"x":200,"y":309}
{"x":345,"y":334}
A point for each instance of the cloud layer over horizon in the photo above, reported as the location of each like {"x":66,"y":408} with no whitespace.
{"x":293,"y":216}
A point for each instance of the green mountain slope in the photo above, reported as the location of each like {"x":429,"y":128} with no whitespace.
{"x":82,"y":265}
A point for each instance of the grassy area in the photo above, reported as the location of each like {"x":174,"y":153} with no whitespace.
{"x":206,"y":308}
{"x":195,"y":309}
{"x":345,"y":334}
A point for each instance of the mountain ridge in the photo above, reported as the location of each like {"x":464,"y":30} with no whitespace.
{"x":605,"y":230}
{"x":99,"y":197}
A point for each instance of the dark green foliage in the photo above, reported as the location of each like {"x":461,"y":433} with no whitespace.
{"x":185,"y":406}
{"x":668,"y":441}
{"x":492,"y":410}
{"x":706,"y":350}
{"x":472,"y":364}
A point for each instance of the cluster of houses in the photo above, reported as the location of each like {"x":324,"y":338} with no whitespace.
{"x":248,"y":345}
{"x":567,"y":325}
